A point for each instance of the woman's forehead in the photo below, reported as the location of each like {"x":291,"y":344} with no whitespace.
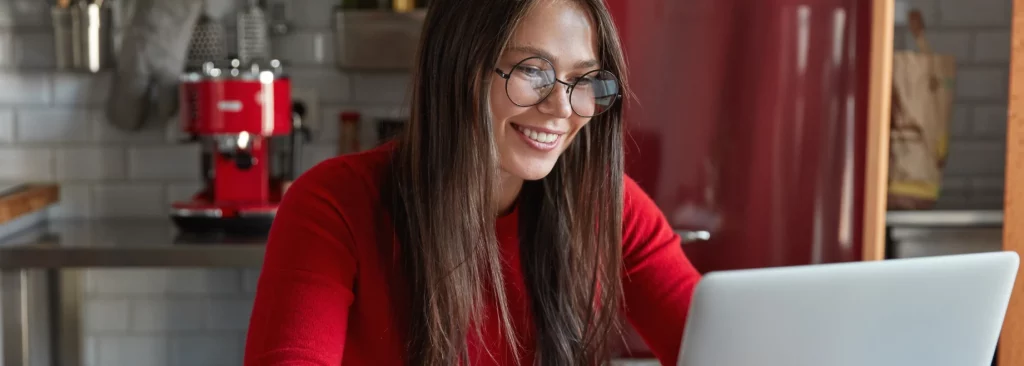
{"x":558,"y":30}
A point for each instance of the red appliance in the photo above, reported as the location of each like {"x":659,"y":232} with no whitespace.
{"x":239,"y":115}
{"x":748,"y":128}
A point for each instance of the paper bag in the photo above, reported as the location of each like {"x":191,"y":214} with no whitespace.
{"x":922,"y":99}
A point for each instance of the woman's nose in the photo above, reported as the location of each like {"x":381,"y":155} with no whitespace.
{"x":557,"y":103}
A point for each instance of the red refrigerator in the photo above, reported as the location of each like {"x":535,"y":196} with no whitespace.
{"x":748,"y":125}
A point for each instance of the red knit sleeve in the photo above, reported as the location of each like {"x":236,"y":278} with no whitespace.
{"x":658,"y":280}
{"x":305,"y":285}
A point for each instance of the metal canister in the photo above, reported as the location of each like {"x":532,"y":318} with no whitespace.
{"x":348,"y":132}
{"x":93,"y":37}
{"x":402,"y":6}
{"x":63,"y":36}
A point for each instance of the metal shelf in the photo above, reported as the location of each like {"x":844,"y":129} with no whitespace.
{"x":945,"y":219}
{"x":376,"y":40}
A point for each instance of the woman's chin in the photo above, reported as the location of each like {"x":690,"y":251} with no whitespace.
{"x":531,"y":171}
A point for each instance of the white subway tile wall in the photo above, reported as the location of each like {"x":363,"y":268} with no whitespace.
{"x":249,"y":280}
{"x":25,"y":87}
{"x":24,"y":13}
{"x":960,"y":121}
{"x":228,"y":313}
{"x":129,"y":200}
{"x":90,"y":163}
{"x":27,"y":50}
{"x":195,"y":317}
{"x":982,"y":83}
{"x":168,"y":314}
{"x":990,"y":46}
{"x":44,"y":124}
{"x":5,"y":44}
{"x":104,"y":132}
{"x":25,"y":163}
{"x":143,"y":163}
{"x":80,"y":89}
{"x":53,"y":127}
{"x":206,"y":349}
{"x":6,"y":126}
{"x":103,"y":315}
{"x":381,"y":88}
{"x":974,"y":13}
{"x":990,"y":120}
{"x":75,"y":201}
{"x":977,"y":34}
{"x":132,"y":349}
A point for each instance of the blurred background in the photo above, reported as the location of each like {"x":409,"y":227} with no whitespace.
{"x":750,"y":133}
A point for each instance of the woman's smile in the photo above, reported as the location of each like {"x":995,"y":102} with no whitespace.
{"x":539,"y":138}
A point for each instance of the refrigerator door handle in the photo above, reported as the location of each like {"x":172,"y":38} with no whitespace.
{"x":690,"y":236}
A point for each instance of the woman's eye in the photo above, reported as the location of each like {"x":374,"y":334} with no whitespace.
{"x":530,"y":71}
{"x":583,"y":82}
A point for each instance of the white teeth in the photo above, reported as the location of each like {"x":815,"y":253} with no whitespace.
{"x":541,"y":137}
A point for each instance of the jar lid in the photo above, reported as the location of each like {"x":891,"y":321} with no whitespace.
{"x":349,"y":115}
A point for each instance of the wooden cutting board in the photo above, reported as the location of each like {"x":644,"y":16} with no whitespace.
{"x":26,"y":199}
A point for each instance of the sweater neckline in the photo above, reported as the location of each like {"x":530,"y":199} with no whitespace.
{"x":508,"y":223}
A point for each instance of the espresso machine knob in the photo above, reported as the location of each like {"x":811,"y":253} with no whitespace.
{"x":244,"y":160}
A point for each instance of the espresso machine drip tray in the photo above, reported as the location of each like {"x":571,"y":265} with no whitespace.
{"x":238,"y":221}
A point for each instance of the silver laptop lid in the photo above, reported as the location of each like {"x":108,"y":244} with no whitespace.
{"x":931,"y":311}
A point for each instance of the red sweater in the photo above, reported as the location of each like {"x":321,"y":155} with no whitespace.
{"x":330,"y":292}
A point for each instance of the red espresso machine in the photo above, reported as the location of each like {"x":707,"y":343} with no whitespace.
{"x":243,"y":117}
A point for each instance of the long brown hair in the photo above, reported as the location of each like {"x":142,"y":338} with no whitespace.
{"x":443,"y":183}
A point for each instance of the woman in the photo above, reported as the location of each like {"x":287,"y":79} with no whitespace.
{"x":498,"y":230}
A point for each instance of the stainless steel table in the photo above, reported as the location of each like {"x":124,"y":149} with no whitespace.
{"x":59,"y":250}
{"x":982,"y":227}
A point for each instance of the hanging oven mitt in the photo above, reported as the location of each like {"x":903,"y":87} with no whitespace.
{"x":149,"y":66}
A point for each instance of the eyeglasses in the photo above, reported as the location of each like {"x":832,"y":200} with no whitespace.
{"x":532,"y":80}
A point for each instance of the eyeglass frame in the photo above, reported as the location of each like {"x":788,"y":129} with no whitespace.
{"x":569,"y":87}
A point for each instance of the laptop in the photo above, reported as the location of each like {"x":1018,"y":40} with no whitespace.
{"x":933,"y":311}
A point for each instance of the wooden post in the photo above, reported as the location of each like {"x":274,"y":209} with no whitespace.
{"x":1011,"y":342}
{"x":879,"y":103}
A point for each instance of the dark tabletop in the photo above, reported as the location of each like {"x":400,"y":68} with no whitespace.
{"x":125,"y":243}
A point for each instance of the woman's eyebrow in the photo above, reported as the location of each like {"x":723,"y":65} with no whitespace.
{"x":584,"y":64}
